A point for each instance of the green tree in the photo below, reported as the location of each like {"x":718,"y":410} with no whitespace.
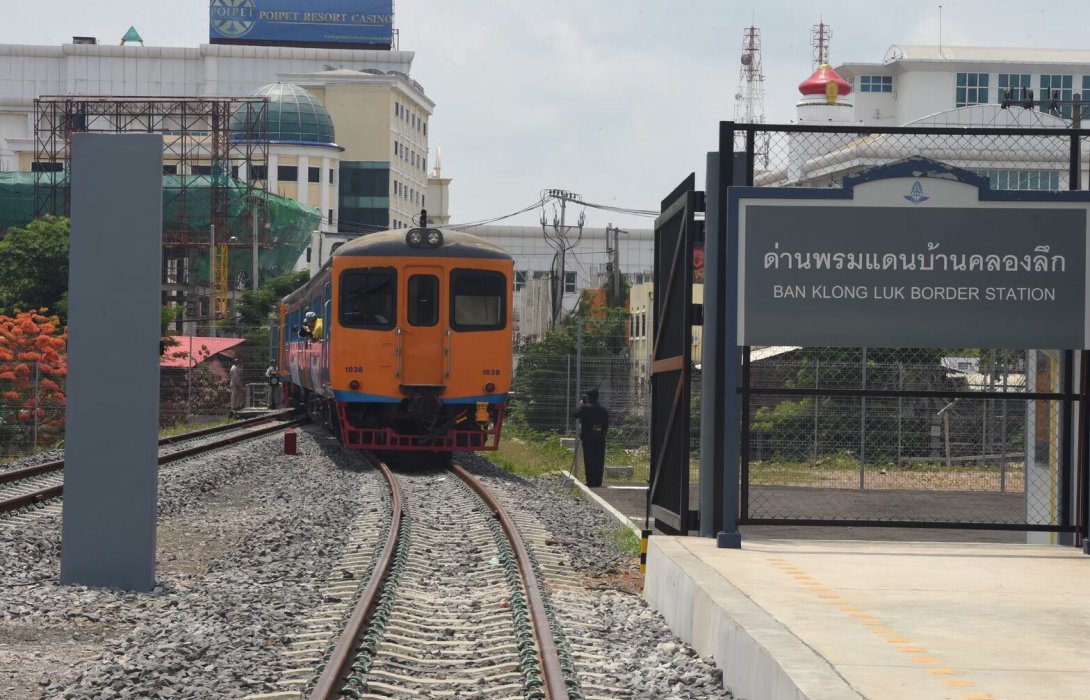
{"x":255,"y":306}
{"x":542,"y":385}
{"x":34,"y":267}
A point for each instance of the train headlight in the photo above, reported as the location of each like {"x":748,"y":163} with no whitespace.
{"x":424,"y":238}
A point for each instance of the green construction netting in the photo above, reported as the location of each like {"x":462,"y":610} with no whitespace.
{"x":287,"y":236}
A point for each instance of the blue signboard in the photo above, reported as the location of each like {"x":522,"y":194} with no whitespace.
{"x":334,"y":23}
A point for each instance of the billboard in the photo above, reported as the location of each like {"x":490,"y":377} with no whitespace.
{"x":913,"y":262}
{"x":309,"y":23}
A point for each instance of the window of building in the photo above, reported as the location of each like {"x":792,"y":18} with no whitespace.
{"x":1085,"y":96}
{"x":1016,"y":85}
{"x":170,"y":169}
{"x":425,"y":128}
{"x":46,"y":166}
{"x":234,"y":171}
{"x":477,"y":300}
{"x":202,"y":170}
{"x":423,"y":300}
{"x":330,"y":217}
{"x":876,"y":83}
{"x":1037,"y":180}
{"x":422,"y":198}
{"x":520,"y":280}
{"x":314,"y":174}
{"x":569,"y":282}
{"x":1056,"y":87}
{"x":287,"y":173}
{"x":331,"y":176}
{"x":259,"y":172}
{"x":369,"y":298}
{"x":972,"y":89}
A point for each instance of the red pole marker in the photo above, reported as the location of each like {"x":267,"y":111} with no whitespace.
{"x":289,"y":442}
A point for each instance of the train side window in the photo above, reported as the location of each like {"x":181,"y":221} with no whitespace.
{"x":369,"y":298}
{"x":423,"y":300}
{"x":478,"y":300}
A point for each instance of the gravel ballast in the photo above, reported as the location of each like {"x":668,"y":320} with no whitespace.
{"x":246,"y":536}
{"x":644,"y":657}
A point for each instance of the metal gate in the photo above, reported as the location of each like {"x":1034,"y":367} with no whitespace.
{"x":671,"y":367}
{"x":978,"y":438}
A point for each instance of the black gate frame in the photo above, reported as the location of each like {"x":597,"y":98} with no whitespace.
{"x":1074,"y":511}
{"x":671,"y":359}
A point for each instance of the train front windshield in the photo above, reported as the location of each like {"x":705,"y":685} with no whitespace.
{"x":369,"y":298}
{"x":478,"y":300}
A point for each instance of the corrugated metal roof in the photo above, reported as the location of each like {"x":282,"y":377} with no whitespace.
{"x":202,"y":349}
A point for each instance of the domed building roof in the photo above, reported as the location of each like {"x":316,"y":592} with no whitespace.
{"x":817,"y":83}
{"x":295,"y":116}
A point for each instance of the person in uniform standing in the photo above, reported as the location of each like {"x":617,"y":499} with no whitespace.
{"x":238,"y":398}
{"x":593,"y":425}
{"x":272,"y":375}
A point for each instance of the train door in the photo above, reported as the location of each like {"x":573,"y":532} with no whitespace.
{"x":422,"y":341}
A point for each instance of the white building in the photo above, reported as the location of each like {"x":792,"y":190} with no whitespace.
{"x":915,"y":82}
{"x":947,"y":87}
{"x":380,"y":114}
{"x":584,"y":267}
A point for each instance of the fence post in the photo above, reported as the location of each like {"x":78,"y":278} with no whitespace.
{"x":37,"y":401}
{"x":1003,"y":426}
{"x":578,"y":358}
{"x":568,"y":403}
{"x":817,"y":385}
{"x":900,"y":410}
{"x":190,"y":364}
{"x":863,"y":428}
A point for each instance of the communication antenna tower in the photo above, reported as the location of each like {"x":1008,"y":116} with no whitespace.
{"x":749,"y":101}
{"x":819,"y":38}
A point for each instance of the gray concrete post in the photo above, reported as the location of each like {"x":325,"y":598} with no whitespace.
{"x":111,"y":435}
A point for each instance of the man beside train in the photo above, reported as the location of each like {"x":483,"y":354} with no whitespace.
{"x":593,"y":426}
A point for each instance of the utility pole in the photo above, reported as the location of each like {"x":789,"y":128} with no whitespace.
{"x":253,"y":236}
{"x":614,"y":268}
{"x":559,"y":240}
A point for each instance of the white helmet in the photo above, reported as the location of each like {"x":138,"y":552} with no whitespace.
{"x":311,"y":314}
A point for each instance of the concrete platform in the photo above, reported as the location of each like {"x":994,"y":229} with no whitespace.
{"x":883,"y":620}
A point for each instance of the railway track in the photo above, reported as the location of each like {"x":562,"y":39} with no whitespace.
{"x":451,"y":604}
{"x":42,"y":483}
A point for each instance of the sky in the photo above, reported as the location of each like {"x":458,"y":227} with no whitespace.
{"x":616,"y":100}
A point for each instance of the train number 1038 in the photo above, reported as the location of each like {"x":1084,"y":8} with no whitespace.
{"x":353,"y":370}
{"x":491,"y":373}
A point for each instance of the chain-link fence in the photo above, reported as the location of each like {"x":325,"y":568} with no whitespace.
{"x":1033,"y":157}
{"x":32,"y":404}
{"x":546,"y":393}
{"x":194,"y":373}
{"x":904,"y":434}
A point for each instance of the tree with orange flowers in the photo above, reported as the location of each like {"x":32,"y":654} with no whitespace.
{"x":33,"y":365}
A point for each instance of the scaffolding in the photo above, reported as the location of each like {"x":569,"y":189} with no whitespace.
{"x":215,"y":157}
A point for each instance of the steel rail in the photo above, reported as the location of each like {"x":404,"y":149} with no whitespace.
{"x":57,"y":465}
{"x":56,"y":491}
{"x":555,"y":686}
{"x":340,"y":661}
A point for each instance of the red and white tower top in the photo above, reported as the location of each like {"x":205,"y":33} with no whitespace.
{"x":819,"y":82}
{"x":825,"y":95}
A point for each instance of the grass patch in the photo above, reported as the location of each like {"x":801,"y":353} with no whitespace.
{"x":531,"y":457}
{"x":179,"y":428}
{"x":623,"y":540}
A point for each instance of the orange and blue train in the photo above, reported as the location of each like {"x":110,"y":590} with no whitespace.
{"x":412,"y":350}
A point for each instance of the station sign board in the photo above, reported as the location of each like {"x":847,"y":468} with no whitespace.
{"x":366,"y":24}
{"x":912,"y":257}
